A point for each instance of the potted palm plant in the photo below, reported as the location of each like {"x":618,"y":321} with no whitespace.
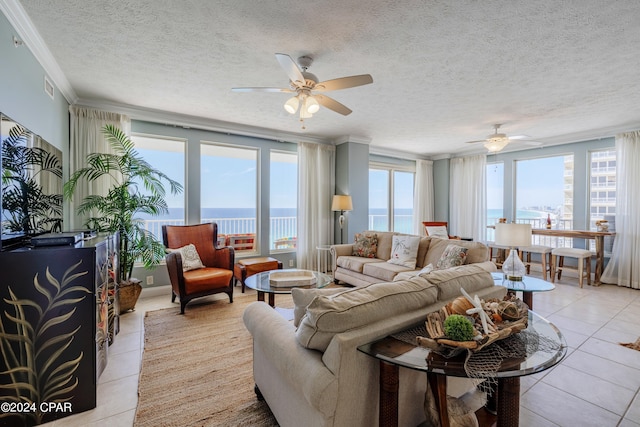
{"x":136,"y":188}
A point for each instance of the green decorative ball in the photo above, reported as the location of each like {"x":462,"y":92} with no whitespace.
{"x":458,"y":328}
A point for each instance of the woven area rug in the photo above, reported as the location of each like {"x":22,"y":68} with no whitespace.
{"x":197,"y":368}
{"x":634,"y":345}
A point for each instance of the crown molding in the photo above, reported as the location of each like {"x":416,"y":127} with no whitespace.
{"x":396,"y":153}
{"x":28,"y":33}
{"x":188,"y":121}
{"x":351,"y":138}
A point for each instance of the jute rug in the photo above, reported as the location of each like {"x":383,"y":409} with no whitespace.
{"x":634,"y":345}
{"x":197,"y":368}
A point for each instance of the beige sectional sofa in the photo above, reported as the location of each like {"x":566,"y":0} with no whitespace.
{"x":361,"y":271}
{"x":310,"y":372}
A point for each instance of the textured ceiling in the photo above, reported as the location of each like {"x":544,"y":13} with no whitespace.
{"x":444,"y":71}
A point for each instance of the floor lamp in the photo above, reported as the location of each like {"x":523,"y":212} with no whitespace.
{"x":341,"y":204}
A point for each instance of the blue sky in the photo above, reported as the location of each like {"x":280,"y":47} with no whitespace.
{"x":539,"y":182}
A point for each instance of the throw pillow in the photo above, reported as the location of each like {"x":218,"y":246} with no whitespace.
{"x":365,"y":245}
{"x":452,"y":256}
{"x":190,"y":258}
{"x":438,"y":231}
{"x":404,"y":250}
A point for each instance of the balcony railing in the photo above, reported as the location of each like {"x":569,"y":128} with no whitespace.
{"x":281,"y":228}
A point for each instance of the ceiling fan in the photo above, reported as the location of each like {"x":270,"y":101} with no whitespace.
{"x":497,"y":141}
{"x":307,"y":89}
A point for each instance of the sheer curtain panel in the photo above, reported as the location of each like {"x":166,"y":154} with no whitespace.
{"x":316,"y":171}
{"x":86,"y":137}
{"x":623,"y":267}
{"x":423,"y":196}
{"x":467,"y":197}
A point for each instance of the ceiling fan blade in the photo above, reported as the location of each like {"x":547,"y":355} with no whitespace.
{"x":332,"y":104}
{"x":261,"y":89}
{"x":344,"y":83}
{"x":291,"y":68}
{"x":473,"y":142}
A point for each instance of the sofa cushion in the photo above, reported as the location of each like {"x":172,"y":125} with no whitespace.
{"x":365,"y":245}
{"x":302,"y":297}
{"x":471,"y":277}
{"x":355,"y":263}
{"x":385,"y":242}
{"x":452,"y":256}
{"x":328,"y":315}
{"x":477,"y":252}
{"x":384,"y":271}
{"x":423,"y":247}
{"x":406,"y":275}
{"x":404,"y":250}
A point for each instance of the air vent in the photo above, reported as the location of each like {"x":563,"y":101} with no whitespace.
{"x":48,"y":87}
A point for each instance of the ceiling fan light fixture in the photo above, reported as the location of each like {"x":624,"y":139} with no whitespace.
{"x":495,"y":143}
{"x":292,"y":105}
{"x":311,"y":105}
{"x":304,"y":114}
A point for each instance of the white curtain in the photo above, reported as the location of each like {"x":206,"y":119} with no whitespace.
{"x":623,"y":267}
{"x":467,"y":197}
{"x":423,"y":196}
{"x":86,"y":137}
{"x":316,"y":171}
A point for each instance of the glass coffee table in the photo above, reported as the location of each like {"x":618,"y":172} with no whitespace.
{"x":528,"y":286}
{"x":261,"y":282}
{"x":393,"y":353}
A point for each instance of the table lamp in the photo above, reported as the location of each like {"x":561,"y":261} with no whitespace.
{"x":513,"y":235}
{"x":341,"y":204}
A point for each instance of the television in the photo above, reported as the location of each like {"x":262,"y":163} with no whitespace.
{"x":31,"y":195}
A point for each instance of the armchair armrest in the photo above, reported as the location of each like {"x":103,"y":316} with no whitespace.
{"x":223,"y":257}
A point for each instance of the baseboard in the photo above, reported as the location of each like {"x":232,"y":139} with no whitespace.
{"x":155,"y":291}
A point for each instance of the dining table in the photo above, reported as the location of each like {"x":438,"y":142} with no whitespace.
{"x":597,"y":236}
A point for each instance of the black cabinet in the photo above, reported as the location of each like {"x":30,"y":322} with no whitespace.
{"x":55,"y":328}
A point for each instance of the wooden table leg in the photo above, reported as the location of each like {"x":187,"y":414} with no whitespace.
{"x":272,"y":298}
{"x":527,"y":298}
{"x":599,"y":260}
{"x":508,"y":402}
{"x":389,"y":384}
{"x":438,"y":385}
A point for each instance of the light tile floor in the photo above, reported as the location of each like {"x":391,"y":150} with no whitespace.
{"x":597,"y":384}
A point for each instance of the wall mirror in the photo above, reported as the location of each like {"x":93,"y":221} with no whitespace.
{"x":31,"y":184}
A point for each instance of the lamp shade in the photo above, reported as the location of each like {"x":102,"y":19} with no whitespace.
{"x":292,"y":105}
{"x":341,"y":203}
{"x":513,"y":234}
{"x":496,"y":144}
{"x":311,"y":104}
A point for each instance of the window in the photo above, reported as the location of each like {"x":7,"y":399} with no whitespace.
{"x":378,"y":199}
{"x":602,"y":199}
{"x":495,"y":195}
{"x":283,"y":201}
{"x":391,"y":190}
{"x":229,"y":193}
{"x":544,"y":189}
{"x":403,"y":202}
{"x":168,"y":156}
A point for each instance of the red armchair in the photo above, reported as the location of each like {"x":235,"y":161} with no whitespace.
{"x":217,"y":274}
